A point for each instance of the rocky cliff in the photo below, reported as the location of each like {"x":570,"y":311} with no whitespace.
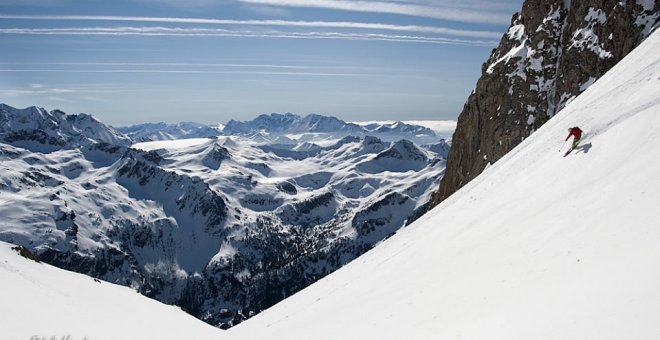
{"x":553,"y":50}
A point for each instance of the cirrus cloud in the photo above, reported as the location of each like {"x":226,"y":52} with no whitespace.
{"x":468,"y":15}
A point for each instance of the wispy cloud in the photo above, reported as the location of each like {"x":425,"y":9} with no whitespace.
{"x":155,"y":64}
{"x":468,"y":15}
{"x":286,"y":23}
{"x":189,"y":64}
{"x":274,"y":73}
{"x":168,"y":31}
{"x":59,"y":91}
{"x":57,"y":99}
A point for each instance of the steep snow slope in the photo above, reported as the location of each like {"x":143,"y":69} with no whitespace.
{"x":539,"y":246}
{"x":39,"y":300}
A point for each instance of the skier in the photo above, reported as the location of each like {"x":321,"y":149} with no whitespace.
{"x":577,"y":135}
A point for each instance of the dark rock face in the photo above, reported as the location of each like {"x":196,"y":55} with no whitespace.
{"x":549,"y":55}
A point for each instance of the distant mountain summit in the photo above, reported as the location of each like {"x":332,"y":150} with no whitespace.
{"x":37,"y":129}
{"x":162,"y":131}
{"x":331,"y":127}
{"x":285,"y":128}
{"x":290,"y":123}
{"x":398,"y":128}
{"x":552,"y":52}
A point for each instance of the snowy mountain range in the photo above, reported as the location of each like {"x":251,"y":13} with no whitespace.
{"x":224,"y":227}
{"x":539,"y":246}
{"x":288,"y":128}
{"x":161,"y":131}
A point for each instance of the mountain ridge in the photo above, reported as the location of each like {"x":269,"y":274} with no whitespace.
{"x":289,"y":128}
{"x":37,"y":128}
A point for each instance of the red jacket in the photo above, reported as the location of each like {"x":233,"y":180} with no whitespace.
{"x":575,"y":132}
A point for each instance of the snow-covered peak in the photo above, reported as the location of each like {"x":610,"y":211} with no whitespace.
{"x":274,"y":122}
{"x":315,"y":127}
{"x":286,"y":123}
{"x":441,"y":148}
{"x":37,"y":129}
{"x":162,"y":131}
{"x":402,"y":156}
{"x":399,"y":128}
{"x":319,"y":123}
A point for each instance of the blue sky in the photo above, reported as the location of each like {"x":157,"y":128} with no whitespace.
{"x":209,"y":61}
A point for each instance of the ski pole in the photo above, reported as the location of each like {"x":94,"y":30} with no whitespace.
{"x":562,"y":146}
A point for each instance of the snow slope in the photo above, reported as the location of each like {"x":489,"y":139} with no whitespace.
{"x":43,"y":301}
{"x":539,"y":246}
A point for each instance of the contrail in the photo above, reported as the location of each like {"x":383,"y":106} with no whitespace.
{"x":165,"y":31}
{"x":287,"y":23}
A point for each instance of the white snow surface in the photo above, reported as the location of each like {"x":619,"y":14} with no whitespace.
{"x":42,"y":301}
{"x":539,"y":246}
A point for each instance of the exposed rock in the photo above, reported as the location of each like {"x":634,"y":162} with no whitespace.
{"x":26,"y":253}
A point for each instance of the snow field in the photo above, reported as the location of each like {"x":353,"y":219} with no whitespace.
{"x":43,"y":301}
